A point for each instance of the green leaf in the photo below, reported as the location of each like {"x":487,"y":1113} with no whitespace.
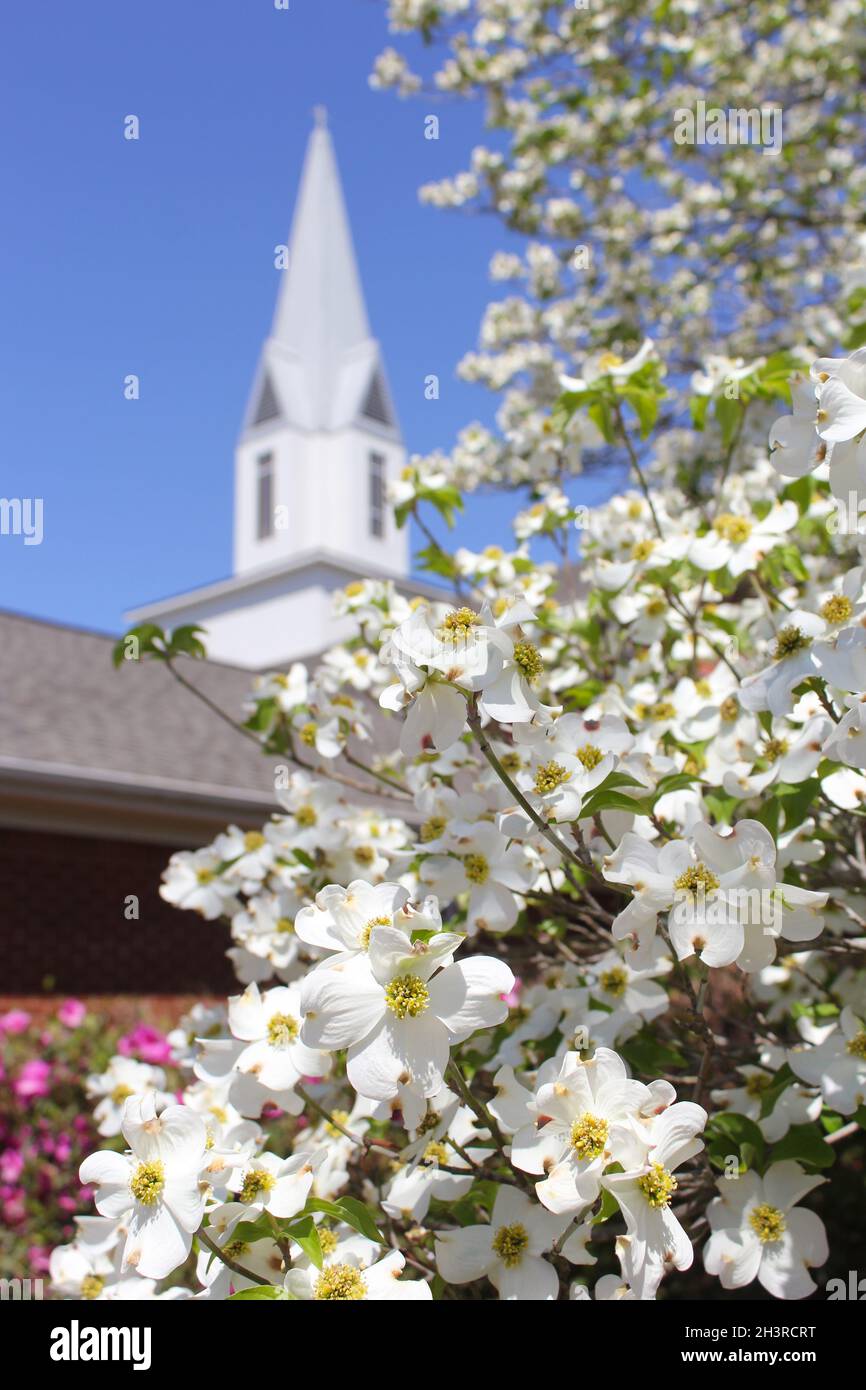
{"x":263,"y":717}
{"x":436,"y":561}
{"x":730,"y":1135}
{"x":699,"y":406}
{"x":728,"y":414}
{"x":650,"y":1057}
{"x":147,"y":640}
{"x":601,"y":415}
{"x":782,"y":1079}
{"x":609,"y":1207}
{"x":271,"y":1291}
{"x":184,"y":639}
{"x":357,"y":1215}
{"x":607,"y":796}
{"x":305,"y":1234}
{"x":805,"y":1144}
{"x":645,"y":404}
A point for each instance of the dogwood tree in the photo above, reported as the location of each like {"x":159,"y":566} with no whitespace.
{"x":550,"y":962}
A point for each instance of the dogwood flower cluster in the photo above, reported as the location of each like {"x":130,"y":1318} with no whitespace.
{"x":551,"y":954}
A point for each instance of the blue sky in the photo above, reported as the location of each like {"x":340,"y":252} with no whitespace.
{"x":155,"y":257}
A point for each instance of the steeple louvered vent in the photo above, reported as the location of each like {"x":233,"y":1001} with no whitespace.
{"x":375,"y":406}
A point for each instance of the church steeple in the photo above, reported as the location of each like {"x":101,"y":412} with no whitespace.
{"x":319,"y":444}
{"x":320,"y":439}
{"x":320,"y":365}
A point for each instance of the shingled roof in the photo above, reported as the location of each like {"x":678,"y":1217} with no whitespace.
{"x":100,"y":745}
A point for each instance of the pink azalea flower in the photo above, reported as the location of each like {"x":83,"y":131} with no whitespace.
{"x":146,"y":1043}
{"x":14,"y":1210}
{"x":72,"y":1013}
{"x":63,"y":1148}
{"x":15,"y":1021}
{"x":33,"y":1080}
{"x":11,"y":1165}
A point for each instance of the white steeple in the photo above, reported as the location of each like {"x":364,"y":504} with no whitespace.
{"x":319,"y":444}
{"x":320,"y":364}
{"x":320,"y":323}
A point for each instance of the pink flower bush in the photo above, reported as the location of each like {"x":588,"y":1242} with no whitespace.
{"x":45,"y":1129}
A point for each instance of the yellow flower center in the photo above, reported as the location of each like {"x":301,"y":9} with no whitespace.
{"x":121,"y":1093}
{"x":432,"y":829}
{"x":734,"y":529}
{"x":642,"y":550}
{"x":308,"y":733}
{"x":364,"y":854}
{"x":608,"y":360}
{"x":768,"y":1223}
{"x":589,"y":1136}
{"x":236,"y":1249}
{"x":306,"y":816}
{"x":614,"y":981}
{"x":589,"y":755}
{"x":698,"y":876}
{"x":774,"y":749}
{"x":729,"y":709}
{"x":528,"y":660}
{"x":757,"y":1084}
{"x":476,"y":867}
{"x":285,"y":926}
{"x":254,"y":839}
{"x":435,"y":1153}
{"x":550,"y":776}
{"x":282,"y":1030}
{"x":658,"y":1186}
{"x":147,"y":1182}
{"x":857,"y":1045}
{"x":92,"y":1286}
{"x":837,"y":609}
{"x":327,"y":1240}
{"x":407,"y":996}
{"x":256,"y":1181}
{"x":364,"y":939}
{"x":790,"y":640}
{"x":340,"y":1282}
{"x":457,"y":625}
{"x":510,"y":1244}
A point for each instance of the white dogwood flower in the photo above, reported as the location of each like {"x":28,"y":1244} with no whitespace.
{"x":584,"y":1120}
{"x":509,"y":1251}
{"x":399,"y":1008}
{"x":155,"y":1187}
{"x":837,"y":1064}
{"x":655,"y":1241}
{"x":758,"y":1232}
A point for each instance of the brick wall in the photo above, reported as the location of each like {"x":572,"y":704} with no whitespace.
{"x":63,"y":928}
